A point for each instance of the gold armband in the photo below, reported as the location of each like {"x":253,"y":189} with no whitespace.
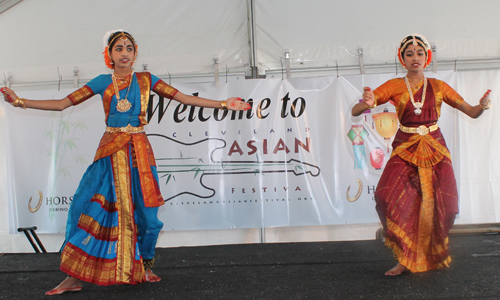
{"x":19,"y":102}
{"x":223,"y":105}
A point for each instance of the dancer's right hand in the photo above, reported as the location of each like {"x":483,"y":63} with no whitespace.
{"x":368,"y":96}
{"x":8,"y":94}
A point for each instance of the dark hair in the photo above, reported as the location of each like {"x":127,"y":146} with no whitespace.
{"x":115,"y":36}
{"x":405,"y":45}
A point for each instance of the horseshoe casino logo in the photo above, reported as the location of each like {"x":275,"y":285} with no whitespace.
{"x":39,"y":204}
{"x":358,"y":194}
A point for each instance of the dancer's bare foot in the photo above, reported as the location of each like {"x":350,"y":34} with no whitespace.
{"x":70,"y":284}
{"x":151,"y":277}
{"x":397,"y":270}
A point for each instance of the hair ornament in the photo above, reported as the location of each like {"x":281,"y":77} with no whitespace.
{"x":106,"y":36}
{"x":414,"y":41}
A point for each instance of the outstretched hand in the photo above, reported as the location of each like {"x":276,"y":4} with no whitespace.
{"x":485,"y":100}
{"x":477,"y":110}
{"x":235,"y":103}
{"x":8,"y":94}
{"x":368,"y":96}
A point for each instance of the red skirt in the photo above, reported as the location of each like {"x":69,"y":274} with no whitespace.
{"x":417,"y":201}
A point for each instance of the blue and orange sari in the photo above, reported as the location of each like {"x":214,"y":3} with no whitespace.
{"x":416,"y":197}
{"x":112,"y":222}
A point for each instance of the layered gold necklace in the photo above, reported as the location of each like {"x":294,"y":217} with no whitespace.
{"x":418,"y":105}
{"x":122,"y":105}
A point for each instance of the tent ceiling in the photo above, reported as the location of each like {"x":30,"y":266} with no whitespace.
{"x":6,"y":4}
{"x":184,"y":37}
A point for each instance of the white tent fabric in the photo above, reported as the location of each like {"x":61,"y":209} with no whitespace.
{"x":45,"y":39}
{"x":175,"y":36}
{"x":323,"y":33}
{"x":479,"y":144}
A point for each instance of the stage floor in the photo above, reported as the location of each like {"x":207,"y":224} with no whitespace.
{"x":324,"y":270}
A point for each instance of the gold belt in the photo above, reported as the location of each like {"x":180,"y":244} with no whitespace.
{"x":128,"y":129}
{"x":422,"y":129}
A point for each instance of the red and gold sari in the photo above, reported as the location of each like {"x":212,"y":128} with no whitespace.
{"x":416,"y":197}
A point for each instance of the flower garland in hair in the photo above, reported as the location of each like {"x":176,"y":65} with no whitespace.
{"x":107,"y":59}
{"x":105,"y":38}
{"x":417,"y":39}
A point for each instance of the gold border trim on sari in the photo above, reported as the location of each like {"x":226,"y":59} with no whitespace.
{"x":144,"y":82}
{"x":422,"y":150}
{"x":89,"y":225}
{"x":80,"y":95}
{"x":126,"y":244}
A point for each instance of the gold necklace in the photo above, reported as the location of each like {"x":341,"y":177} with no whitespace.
{"x":421,"y":79}
{"x":122,"y":105}
{"x":415,"y":85}
{"x":418,"y":105}
{"x":123,"y":79}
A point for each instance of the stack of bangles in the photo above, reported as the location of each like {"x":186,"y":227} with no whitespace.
{"x":370,"y":106}
{"x":19,"y":102}
{"x":487,"y":106}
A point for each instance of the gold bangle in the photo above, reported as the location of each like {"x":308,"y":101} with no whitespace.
{"x":19,"y":102}
{"x":370,"y":107}
{"x":487,"y":106}
{"x":22,"y":103}
{"x":223,"y":105}
{"x":15,"y":103}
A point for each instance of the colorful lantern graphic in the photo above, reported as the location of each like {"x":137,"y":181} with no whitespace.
{"x":357,"y":135}
{"x":377,"y":158}
{"x":386,"y":124}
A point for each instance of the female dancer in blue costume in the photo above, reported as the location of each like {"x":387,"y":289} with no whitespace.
{"x":112,"y":224}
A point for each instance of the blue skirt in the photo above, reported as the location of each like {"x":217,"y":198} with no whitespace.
{"x":109,"y":230}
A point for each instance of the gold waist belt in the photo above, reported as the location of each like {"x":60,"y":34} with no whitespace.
{"x":128,"y":129}
{"x":422,"y":129}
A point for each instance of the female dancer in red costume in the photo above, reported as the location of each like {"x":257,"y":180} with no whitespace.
{"x":112,"y":224}
{"x":416,"y":197}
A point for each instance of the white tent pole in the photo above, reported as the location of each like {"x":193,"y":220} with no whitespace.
{"x":434,"y":58}
{"x":216,"y":71}
{"x":287,"y":64}
{"x":361,"y":61}
{"x":7,"y":78}
{"x":59,"y":78}
{"x":75,"y":77}
{"x":252,"y":38}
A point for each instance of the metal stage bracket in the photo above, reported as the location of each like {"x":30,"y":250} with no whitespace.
{"x":27,"y":231}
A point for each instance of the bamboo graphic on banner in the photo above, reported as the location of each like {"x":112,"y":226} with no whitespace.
{"x":62,"y":137}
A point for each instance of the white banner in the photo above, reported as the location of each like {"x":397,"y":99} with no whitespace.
{"x":297,"y":158}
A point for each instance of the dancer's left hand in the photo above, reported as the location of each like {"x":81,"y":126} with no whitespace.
{"x":235,"y":103}
{"x":485,"y":100}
